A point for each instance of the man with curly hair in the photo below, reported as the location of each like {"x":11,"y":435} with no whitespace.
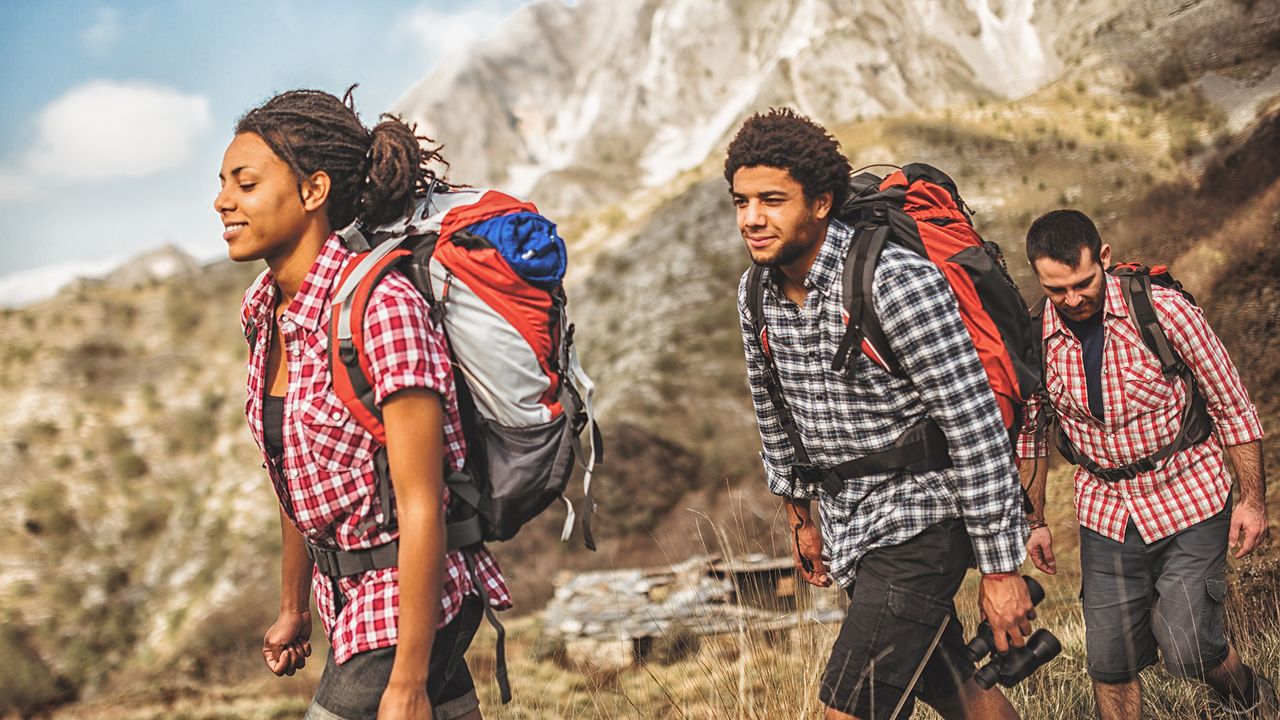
{"x":899,"y":543}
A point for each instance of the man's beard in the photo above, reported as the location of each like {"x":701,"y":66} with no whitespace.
{"x":786,"y":255}
{"x":795,"y":249}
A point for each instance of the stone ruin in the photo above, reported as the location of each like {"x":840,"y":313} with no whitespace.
{"x":608,"y":619}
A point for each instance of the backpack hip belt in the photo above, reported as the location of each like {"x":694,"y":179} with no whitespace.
{"x":920,"y":448}
{"x":343,"y":563}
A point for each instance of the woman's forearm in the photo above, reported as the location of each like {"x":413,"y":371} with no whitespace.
{"x":295,"y":569}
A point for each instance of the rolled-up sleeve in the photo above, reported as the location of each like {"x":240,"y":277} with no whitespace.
{"x":777,"y":454}
{"x":404,"y":350}
{"x":1031,"y":439}
{"x":1235,"y":419}
{"x":920,"y":317}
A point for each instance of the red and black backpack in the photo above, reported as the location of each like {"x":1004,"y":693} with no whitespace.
{"x":917,"y":208}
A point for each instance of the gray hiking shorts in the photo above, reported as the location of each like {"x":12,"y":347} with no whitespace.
{"x":1166,"y":595}
{"x":353,"y":690}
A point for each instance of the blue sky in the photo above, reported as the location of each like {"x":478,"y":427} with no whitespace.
{"x":115,"y":114}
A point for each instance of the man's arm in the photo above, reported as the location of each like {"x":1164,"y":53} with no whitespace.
{"x":922,"y":321}
{"x":1034,"y":472}
{"x":1249,"y":518}
{"x":1235,"y":419}
{"x":806,"y":542}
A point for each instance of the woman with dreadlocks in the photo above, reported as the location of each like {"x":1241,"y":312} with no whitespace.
{"x":300,"y":167}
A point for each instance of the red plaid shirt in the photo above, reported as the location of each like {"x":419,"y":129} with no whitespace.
{"x":1142,"y":414}
{"x":325,"y":481}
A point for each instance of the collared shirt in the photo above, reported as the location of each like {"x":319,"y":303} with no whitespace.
{"x":325,"y":480}
{"x":842,"y":419}
{"x":1143,"y":414}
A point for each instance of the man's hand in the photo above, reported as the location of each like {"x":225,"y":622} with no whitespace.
{"x":1040,"y":550}
{"x":403,"y":701}
{"x":807,"y":541}
{"x":287,"y":644}
{"x":1248,"y":527}
{"x":1006,"y":606}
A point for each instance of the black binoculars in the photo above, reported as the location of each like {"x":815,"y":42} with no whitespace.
{"x":1016,"y":665}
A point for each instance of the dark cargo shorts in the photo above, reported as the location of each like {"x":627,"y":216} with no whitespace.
{"x":899,"y":601}
{"x":353,"y":690}
{"x":1168,"y":595}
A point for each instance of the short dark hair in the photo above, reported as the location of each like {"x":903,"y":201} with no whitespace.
{"x":1060,"y":234}
{"x":785,"y":139}
{"x":374,"y":174}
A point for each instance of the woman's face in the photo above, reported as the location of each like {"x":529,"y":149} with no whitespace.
{"x":263,"y":213}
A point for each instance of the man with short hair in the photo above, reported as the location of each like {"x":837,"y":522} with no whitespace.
{"x":898,"y":542}
{"x":1153,"y":542}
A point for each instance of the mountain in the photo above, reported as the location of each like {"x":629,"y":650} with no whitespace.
{"x":140,"y":550}
{"x":581,"y":105}
{"x":28,"y":286}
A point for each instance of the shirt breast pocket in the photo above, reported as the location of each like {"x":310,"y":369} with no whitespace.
{"x":335,"y":440}
{"x":1146,"y":389}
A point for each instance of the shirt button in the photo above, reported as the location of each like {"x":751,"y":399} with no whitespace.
{"x":313,"y":532}
{"x":297,"y":351}
{"x":293,"y":473}
{"x":337,"y":414}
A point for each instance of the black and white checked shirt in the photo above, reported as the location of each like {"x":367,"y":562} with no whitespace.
{"x":842,"y":419}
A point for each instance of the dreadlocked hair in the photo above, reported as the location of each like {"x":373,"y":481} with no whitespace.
{"x":785,"y":139}
{"x":374,"y":175}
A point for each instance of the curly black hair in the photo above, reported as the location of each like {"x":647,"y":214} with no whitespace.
{"x":375,"y":174}
{"x":785,"y":139}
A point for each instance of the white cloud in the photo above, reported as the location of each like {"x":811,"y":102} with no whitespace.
{"x":106,"y":130}
{"x":101,"y":36}
{"x":27,"y":286}
{"x":13,"y":188}
{"x":442,"y":34}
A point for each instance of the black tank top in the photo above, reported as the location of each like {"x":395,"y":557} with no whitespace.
{"x":273,"y":424}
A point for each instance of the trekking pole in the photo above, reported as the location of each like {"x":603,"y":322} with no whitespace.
{"x":937,"y":637}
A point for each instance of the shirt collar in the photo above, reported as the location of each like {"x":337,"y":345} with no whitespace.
{"x":1114,"y":307}
{"x":827,"y":265}
{"x":313,"y":295}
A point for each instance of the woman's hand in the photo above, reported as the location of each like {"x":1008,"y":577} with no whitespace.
{"x":404,"y":701}
{"x":287,"y":644}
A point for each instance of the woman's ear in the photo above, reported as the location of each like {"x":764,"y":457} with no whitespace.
{"x":315,"y":191}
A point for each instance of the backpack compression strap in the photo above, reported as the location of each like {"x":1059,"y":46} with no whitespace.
{"x":595,"y":442}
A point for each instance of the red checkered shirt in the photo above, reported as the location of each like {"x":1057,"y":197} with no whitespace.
{"x":325,"y":480}
{"x":1142,"y":414}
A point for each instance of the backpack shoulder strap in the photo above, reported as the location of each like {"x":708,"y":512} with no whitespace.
{"x":772,"y":383}
{"x":348,"y":363}
{"x":857,"y":282}
{"x":1136,"y":288}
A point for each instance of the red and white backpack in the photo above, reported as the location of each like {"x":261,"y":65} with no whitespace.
{"x":491,"y":269}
